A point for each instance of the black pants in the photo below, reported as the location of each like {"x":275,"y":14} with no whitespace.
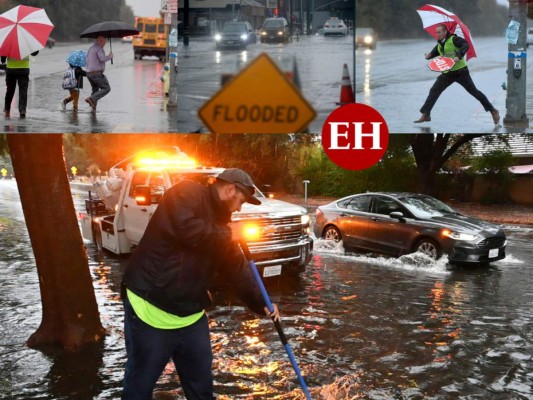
{"x":462,"y":77}
{"x":22,"y":78}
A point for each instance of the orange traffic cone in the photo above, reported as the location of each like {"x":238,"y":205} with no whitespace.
{"x":347,"y":95}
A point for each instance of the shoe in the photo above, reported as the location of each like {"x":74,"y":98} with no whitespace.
{"x":64,"y":105}
{"x":75,"y":109}
{"x":495,"y":116}
{"x":423,"y":118}
{"x":6,"y":113}
{"x":22,"y":115}
{"x":91,"y":103}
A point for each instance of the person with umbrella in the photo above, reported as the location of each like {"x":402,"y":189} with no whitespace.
{"x":448,"y":30}
{"x":96,"y":57}
{"x":96,"y":60}
{"x":24,"y":32}
{"x":76,"y":60}
{"x":17,"y":73}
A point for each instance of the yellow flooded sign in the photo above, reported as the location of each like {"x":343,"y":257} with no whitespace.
{"x":260,"y":99}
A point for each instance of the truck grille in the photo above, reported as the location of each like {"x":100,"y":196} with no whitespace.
{"x":492,"y":243}
{"x":278,"y":230}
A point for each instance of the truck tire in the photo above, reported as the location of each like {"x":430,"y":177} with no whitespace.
{"x":97,"y":238}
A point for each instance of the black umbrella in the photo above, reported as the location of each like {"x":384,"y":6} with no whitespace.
{"x":109,"y":29}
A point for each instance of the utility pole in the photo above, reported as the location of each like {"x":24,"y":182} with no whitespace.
{"x":517,"y":65}
{"x":353,"y":58}
{"x":173,"y":61}
{"x":186,"y":23}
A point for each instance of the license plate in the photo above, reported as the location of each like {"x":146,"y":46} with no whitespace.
{"x":493,"y":253}
{"x":271,"y":37}
{"x":230,"y":42}
{"x":273,"y":270}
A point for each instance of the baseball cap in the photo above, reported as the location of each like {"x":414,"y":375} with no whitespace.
{"x":242,"y":180}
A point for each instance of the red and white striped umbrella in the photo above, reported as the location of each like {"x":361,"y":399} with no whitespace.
{"x":23,"y":30}
{"x":433,"y":16}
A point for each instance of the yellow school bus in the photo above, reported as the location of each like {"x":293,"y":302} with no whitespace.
{"x":152,"y":38}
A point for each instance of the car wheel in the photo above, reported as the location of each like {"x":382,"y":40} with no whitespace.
{"x":429,"y":247}
{"x":332,"y":233}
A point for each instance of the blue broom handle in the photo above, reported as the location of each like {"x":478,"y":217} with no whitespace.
{"x":277,"y":324}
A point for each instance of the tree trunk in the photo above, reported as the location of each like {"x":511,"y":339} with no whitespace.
{"x":70,"y":313}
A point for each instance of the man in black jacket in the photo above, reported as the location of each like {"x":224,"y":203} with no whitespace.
{"x":455,"y":47}
{"x":189,"y":239}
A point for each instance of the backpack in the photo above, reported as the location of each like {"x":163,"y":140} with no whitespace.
{"x":69,"y":79}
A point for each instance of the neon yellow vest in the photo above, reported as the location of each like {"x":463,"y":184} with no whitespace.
{"x":18,"y":64}
{"x":153,"y":316}
{"x":450,"y":51}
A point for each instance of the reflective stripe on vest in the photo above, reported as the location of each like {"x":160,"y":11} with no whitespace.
{"x":451,"y":51}
{"x":17,"y":64}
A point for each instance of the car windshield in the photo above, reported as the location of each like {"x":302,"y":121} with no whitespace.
{"x":364,"y":31}
{"x":234,"y":28}
{"x":273,"y":23}
{"x":426,"y":207}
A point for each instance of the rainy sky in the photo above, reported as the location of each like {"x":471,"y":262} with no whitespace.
{"x":145,"y":8}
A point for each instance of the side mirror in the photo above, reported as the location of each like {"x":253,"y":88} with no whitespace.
{"x":397,"y":215}
{"x":143,"y":195}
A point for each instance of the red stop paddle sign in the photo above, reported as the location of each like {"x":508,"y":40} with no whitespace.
{"x":441,"y":64}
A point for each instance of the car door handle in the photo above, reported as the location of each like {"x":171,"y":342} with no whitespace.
{"x":376,"y":219}
{"x":125,"y":206}
{"x":143,"y":209}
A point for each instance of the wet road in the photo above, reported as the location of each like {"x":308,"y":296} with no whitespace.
{"x":319,"y":60}
{"x":361,"y":327}
{"x":395,"y":80}
{"x":135,"y":104}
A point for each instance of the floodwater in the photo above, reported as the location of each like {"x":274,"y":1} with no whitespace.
{"x":360,"y":327}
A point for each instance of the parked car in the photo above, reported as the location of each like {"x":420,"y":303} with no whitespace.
{"x":236,"y":34}
{"x":275,"y":30}
{"x":127,"y":39}
{"x":402,"y":223}
{"x":335,"y":26}
{"x":366,"y":37}
{"x":50,"y":42}
{"x":529,"y":39}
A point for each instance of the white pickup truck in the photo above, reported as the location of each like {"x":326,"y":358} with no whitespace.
{"x":117,"y":218}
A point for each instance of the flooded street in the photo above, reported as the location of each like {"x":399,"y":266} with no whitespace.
{"x":359,"y":326}
{"x":395,"y":80}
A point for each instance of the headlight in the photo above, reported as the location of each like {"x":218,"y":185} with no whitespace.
{"x":305,"y":219}
{"x":251,"y":232}
{"x":263,"y":33}
{"x":218,"y":37}
{"x":459,"y":235}
{"x":280,"y":33}
{"x":244,"y":36}
{"x":368,"y":39}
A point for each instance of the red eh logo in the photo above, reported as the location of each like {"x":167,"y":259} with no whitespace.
{"x":355,"y":136}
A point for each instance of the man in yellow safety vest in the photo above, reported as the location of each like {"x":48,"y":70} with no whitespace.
{"x":455,"y":47}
